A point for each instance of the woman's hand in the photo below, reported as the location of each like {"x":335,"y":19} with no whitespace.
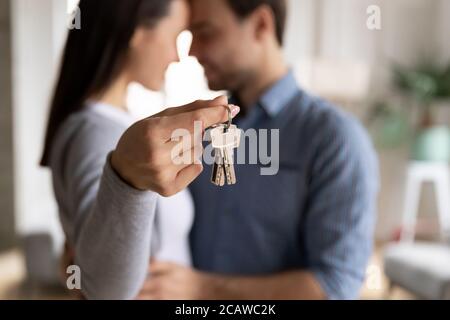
{"x":144,"y":155}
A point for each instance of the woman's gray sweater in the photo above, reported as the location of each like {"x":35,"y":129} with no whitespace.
{"x":108,"y":223}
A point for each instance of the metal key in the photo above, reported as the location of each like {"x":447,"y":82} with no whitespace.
{"x":224,"y":140}
{"x":230,"y":173}
{"x":218,"y":173}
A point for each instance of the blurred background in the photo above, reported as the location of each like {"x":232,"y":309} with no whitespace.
{"x":395,"y":77}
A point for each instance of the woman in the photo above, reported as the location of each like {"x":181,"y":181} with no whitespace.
{"x":105,"y":208}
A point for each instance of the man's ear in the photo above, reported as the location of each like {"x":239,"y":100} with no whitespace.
{"x":264,"y":21}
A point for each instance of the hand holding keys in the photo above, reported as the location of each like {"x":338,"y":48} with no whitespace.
{"x":225,"y":138}
{"x":143,"y":156}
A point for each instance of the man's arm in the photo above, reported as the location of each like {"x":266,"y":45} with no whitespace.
{"x":294,"y":285}
{"x":340,"y":216}
{"x":170,"y":281}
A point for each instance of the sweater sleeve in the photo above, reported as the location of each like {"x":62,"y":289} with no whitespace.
{"x":108,"y":223}
{"x":113,"y":243}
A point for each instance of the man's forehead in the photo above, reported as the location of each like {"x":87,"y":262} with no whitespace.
{"x":203,"y":6}
{"x":200,"y":22}
{"x":208,"y":12}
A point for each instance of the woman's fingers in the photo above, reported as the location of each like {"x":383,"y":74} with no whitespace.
{"x":219,"y":101}
{"x":148,"y":158}
{"x":186,"y":176}
{"x":186,"y":141}
{"x":187,"y":158}
{"x":192,"y":121}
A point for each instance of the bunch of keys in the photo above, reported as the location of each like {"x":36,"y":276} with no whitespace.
{"x":225,"y":138}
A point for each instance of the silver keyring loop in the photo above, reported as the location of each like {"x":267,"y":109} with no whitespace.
{"x":230,"y":116}
{"x":228,"y":123}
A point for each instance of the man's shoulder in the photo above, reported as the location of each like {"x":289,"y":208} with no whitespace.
{"x":325,"y":119}
{"x":324,"y":126}
{"x":336,"y":137}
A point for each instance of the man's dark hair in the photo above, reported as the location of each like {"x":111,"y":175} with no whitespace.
{"x":243,"y":8}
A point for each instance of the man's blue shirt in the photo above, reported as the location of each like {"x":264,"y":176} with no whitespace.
{"x":316,"y":214}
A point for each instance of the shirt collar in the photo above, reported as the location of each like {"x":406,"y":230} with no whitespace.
{"x":276,"y":98}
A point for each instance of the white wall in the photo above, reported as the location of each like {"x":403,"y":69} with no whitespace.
{"x":337,"y":30}
{"x":36,"y":33}
{"x":300,"y":30}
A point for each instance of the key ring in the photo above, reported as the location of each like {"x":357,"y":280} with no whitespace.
{"x":228,"y":123}
{"x":230,"y":117}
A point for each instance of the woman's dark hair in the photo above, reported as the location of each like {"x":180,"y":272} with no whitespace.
{"x":95,"y":54}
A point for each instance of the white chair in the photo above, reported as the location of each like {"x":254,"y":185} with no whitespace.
{"x":422,"y":268}
{"x":418,"y":174}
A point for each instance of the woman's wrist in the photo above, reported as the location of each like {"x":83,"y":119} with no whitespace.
{"x":121,"y":168}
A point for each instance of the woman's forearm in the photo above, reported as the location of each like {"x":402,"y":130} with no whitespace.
{"x":113,"y":244}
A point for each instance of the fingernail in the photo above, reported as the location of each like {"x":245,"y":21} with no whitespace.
{"x":235,"y":110}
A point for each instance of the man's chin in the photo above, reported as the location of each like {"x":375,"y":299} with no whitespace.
{"x":220,"y":83}
{"x":213,"y":81}
{"x":216,"y":85}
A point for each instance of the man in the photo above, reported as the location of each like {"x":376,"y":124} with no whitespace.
{"x":304,"y":233}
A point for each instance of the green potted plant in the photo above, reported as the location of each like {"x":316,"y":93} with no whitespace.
{"x":426,"y":84}
{"x":388,"y":124}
